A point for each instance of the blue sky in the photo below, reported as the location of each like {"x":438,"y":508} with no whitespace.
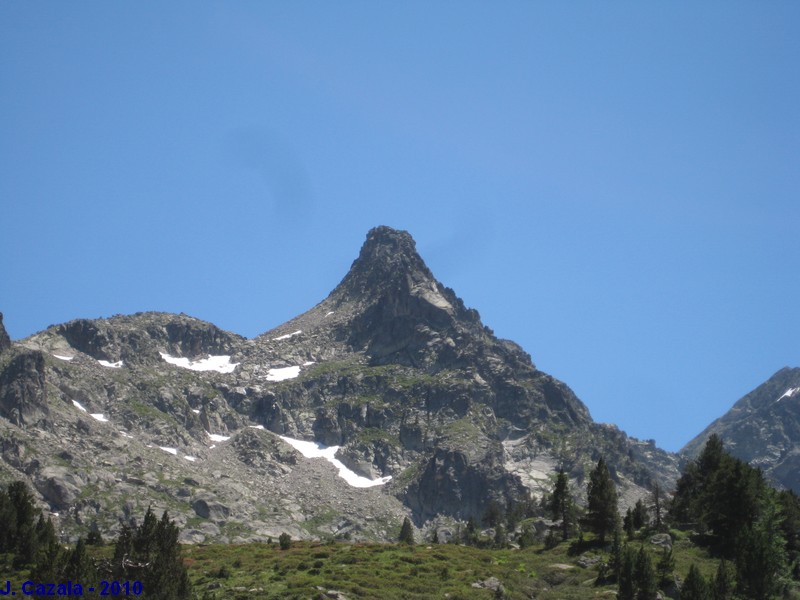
{"x":614,"y":186}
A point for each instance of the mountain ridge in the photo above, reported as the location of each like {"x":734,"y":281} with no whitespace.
{"x":390,"y":366}
{"x":763,"y":429}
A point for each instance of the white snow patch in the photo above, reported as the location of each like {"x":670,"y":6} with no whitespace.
{"x":170,"y":450}
{"x":256,"y":427}
{"x":77,"y":404}
{"x":288,"y":335}
{"x":115,"y":365}
{"x":212,"y":446}
{"x":196,"y":411}
{"x":215,"y":437}
{"x":99,"y":417}
{"x":283,"y":373}
{"x":314,"y":450}
{"x":125,"y":434}
{"x":329,"y":313}
{"x":308,"y":363}
{"x":60,"y":357}
{"x":190,"y":458}
{"x":221,"y":364}
{"x":788,"y":393}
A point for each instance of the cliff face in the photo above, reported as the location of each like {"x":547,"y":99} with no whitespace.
{"x":107,"y":416}
{"x":763,"y":428}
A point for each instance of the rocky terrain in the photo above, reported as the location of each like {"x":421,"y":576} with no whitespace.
{"x":438,"y":416}
{"x":763,"y":428}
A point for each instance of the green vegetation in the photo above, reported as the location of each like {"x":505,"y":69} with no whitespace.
{"x":702,"y":558}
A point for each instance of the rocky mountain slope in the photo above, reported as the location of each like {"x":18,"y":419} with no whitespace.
{"x":433,"y":415}
{"x":763,"y":428}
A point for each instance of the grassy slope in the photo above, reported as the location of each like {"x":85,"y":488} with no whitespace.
{"x":395,"y":571}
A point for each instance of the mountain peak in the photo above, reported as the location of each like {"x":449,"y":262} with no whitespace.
{"x":388,"y":259}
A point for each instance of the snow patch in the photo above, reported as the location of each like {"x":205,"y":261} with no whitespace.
{"x":190,"y":458}
{"x":314,"y":450}
{"x":61,"y":357}
{"x":115,"y":365}
{"x":196,"y":411}
{"x":170,"y":450}
{"x":283,"y":373}
{"x":788,"y":393}
{"x":329,"y":313}
{"x":99,"y":417}
{"x":221,"y":364}
{"x":77,"y":404}
{"x":308,"y":363}
{"x":215,"y":437}
{"x":288,"y":335}
{"x":256,"y":427}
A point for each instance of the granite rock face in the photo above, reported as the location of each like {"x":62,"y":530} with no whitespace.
{"x":763,"y":429}
{"x":5,"y":341}
{"x":23,"y":398}
{"x":107,"y":416}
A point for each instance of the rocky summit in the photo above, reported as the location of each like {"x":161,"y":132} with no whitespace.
{"x":763,"y":429}
{"x":411,"y":406}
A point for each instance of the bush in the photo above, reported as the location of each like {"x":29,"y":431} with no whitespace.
{"x":285,"y":541}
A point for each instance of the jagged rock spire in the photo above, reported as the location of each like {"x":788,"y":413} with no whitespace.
{"x":388,"y":259}
{"x":5,"y":341}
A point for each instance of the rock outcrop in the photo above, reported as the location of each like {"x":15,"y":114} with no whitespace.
{"x":23,"y":398}
{"x":5,"y":341}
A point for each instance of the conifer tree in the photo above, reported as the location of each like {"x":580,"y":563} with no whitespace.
{"x":151,"y":554}
{"x":626,"y":581}
{"x":78,"y":566}
{"x":723,"y":584}
{"x":500,"y":537}
{"x":615,"y":558}
{"x":666,"y":565}
{"x":627,"y":524}
{"x":639,"y":515}
{"x":406,"y":532}
{"x":658,"y":507}
{"x":695,"y":586}
{"x":761,"y":554}
{"x":645,"y":576}
{"x":602,"y":506}
{"x":561,"y":504}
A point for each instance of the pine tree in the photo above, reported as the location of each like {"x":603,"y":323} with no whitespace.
{"x":657,"y":507}
{"x":666,"y":565}
{"x":639,"y":515}
{"x":615,"y":558}
{"x":284,"y":541}
{"x":151,"y":554}
{"x":723,"y":584}
{"x":561,"y":504}
{"x":406,"y":532}
{"x":761,"y":554}
{"x":626,"y":581}
{"x":602,"y":506}
{"x":500,"y":537}
{"x":78,"y":566}
{"x":695,"y":586}
{"x":627,"y":524}
{"x":645,"y":576}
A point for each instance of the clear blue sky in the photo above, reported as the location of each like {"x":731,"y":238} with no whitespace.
{"x":614,"y":186}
